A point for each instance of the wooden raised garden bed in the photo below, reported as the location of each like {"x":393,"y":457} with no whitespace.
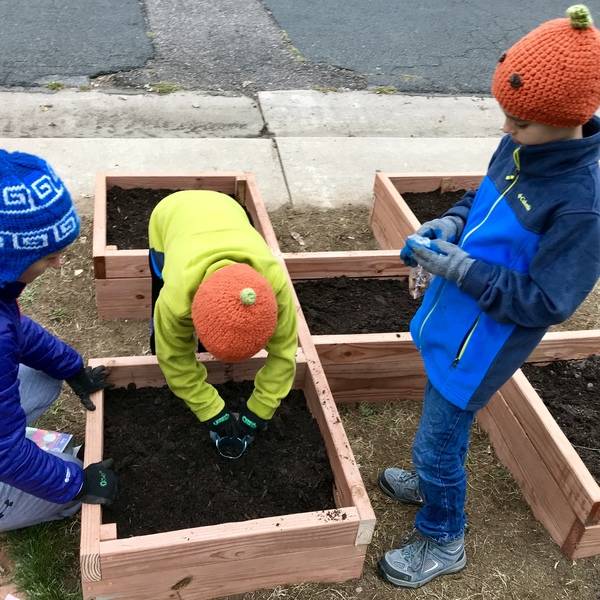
{"x":122,"y":277}
{"x":393,"y":219}
{"x":229,"y":558}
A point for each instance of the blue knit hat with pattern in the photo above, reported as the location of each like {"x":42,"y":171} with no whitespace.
{"x":37,"y":216}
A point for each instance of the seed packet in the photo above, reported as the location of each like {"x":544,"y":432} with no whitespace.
{"x":50,"y":440}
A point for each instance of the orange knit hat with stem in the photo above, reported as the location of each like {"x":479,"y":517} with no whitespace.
{"x":234,"y":312}
{"x":552,"y":75}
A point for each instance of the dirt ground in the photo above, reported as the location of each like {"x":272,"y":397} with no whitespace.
{"x":510,"y":554}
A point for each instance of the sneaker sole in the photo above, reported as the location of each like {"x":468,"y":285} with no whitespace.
{"x":390,"y":494}
{"x":417,"y":584}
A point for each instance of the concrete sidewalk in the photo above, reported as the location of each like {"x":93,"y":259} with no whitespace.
{"x":305,"y":147}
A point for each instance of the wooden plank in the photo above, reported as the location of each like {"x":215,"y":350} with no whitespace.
{"x":582,"y":541}
{"x":258,"y":211}
{"x":369,"y":263}
{"x":515,"y":450}
{"x":108,"y":531}
{"x":228,"y":542}
{"x":559,"y":456}
{"x":429,"y":182}
{"x":91,"y":515}
{"x":348,"y":481}
{"x":219,"y":182}
{"x":144,"y":371}
{"x":99,"y":227}
{"x":566,"y":345}
{"x":234,"y":577}
{"x":350,"y":487}
{"x":125,"y":298}
{"x":391,"y":219}
{"x":126,"y":263}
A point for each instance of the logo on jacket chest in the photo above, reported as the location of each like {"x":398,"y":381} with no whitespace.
{"x":523,"y":200}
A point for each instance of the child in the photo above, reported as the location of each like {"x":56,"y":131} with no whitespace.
{"x":512,"y":259}
{"x":37,"y":221}
{"x":214,"y":277}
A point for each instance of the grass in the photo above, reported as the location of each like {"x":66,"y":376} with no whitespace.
{"x":165,"y":87}
{"x":384,"y":90}
{"x":55,"y":85}
{"x":45,"y":558}
{"x":511,"y":555}
{"x":296,"y":54}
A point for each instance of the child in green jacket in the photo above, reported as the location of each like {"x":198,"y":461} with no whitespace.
{"x":217,"y":283}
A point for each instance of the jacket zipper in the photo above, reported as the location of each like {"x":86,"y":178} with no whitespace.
{"x":463,"y":345}
{"x":514,"y":178}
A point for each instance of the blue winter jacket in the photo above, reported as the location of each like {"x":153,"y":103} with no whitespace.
{"x":533,"y":227}
{"x":22,"y":464}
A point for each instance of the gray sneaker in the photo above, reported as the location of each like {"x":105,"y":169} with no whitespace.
{"x":401,"y":485}
{"x":421,"y":560}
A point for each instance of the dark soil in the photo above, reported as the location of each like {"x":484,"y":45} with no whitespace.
{"x":312,"y":229}
{"x":127,"y":216}
{"x":171,"y":477}
{"x":571,"y":391}
{"x":355,"y":305}
{"x":430,"y":205}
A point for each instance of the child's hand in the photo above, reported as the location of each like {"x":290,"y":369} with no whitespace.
{"x":441,"y":258}
{"x":88,"y":381}
{"x":446,"y":228}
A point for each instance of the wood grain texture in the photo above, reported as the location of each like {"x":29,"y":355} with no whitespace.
{"x":392,"y":220}
{"x":228,"y":542}
{"x":367,"y":263}
{"x":558,"y":455}
{"x":144,"y":371}
{"x":513,"y":447}
{"x":91,"y":515}
{"x":124,"y":298}
{"x":226,"y":578}
{"x":582,"y":541}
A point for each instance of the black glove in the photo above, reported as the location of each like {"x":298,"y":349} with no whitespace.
{"x":87,"y":381}
{"x":223,"y":425}
{"x":100,"y":483}
{"x":250,"y":425}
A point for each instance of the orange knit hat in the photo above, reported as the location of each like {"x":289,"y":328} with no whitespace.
{"x":234,"y":312}
{"x":552,"y":75}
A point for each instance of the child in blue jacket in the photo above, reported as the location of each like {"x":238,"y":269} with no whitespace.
{"x":37,"y":221}
{"x":512,"y":259}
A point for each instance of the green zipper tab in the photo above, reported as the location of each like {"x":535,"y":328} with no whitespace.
{"x":463,"y":347}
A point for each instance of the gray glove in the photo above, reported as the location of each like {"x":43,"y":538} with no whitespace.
{"x":446,"y":228}
{"x":441,"y":258}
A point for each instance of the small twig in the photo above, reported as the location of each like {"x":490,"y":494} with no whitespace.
{"x":586,"y":448}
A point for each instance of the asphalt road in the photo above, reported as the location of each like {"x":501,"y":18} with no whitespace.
{"x":67,"y":40}
{"x":445,"y":46}
{"x":244,"y":46}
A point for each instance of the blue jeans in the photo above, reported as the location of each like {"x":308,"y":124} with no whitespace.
{"x":439,"y":454}
{"x":17,"y":508}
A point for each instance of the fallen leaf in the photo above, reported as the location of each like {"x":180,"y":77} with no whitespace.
{"x":298,"y":237}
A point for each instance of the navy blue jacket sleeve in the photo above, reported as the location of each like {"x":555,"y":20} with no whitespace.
{"x":22,"y":464}
{"x":45,"y":352}
{"x":562,"y":273}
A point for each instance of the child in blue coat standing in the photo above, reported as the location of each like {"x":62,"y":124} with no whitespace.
{"x":510,"y":260}
{"x":37,"y":222}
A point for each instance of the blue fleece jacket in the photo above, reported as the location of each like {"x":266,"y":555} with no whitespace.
{"x":533,"y":228}
{"x":22,"y":464}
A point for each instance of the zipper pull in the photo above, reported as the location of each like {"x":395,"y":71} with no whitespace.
{"x":509,"y":177}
